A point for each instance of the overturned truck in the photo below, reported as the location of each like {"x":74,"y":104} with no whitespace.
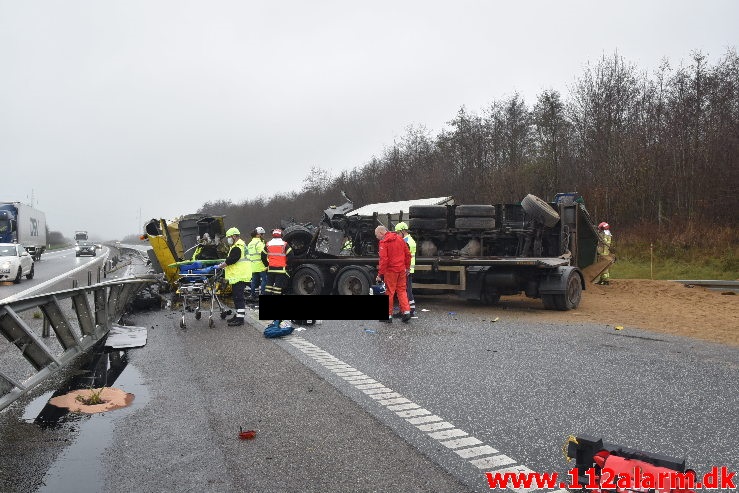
{"x":478,"y":251}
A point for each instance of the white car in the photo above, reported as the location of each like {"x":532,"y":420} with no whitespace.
{"x":15,"y":262}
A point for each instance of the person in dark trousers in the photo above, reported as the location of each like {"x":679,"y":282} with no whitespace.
{"x":255,"y":249}
{"x":277,"y":252}
{"x":237,"y":273}
{"x":395,"y":263}
{"x":402,"y":229}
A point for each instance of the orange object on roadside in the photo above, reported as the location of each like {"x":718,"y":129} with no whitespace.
{"x":247,"y":435}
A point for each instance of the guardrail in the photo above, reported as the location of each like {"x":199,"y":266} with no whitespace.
{"x":78,"y":318}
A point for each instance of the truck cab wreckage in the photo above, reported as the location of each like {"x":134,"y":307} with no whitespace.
{"x":480,"y":252}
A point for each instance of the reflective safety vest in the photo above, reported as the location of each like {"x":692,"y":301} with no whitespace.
{"x":241,"y":270}
{"x":198,"y":249}
{"x":277,"y":250}
{"x":254,"y":254}
{"x":412,"y":245}
{"x":604,"y":249}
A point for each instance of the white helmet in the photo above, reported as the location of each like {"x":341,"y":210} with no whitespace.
{"x":260,"y":230}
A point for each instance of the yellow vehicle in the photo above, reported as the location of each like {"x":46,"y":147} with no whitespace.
{"x":189,"y":237}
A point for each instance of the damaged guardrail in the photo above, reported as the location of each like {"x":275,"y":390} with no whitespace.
{"x":78,"y":318}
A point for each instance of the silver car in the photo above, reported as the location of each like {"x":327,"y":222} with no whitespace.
{"x":15,"y":262}
{"x":85,"y":248}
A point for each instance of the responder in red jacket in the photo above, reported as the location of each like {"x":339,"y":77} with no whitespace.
{"x":277,"y":251}
{"x":395,"y":264}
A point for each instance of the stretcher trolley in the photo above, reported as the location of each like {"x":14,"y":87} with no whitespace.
{"x":198,"y":284}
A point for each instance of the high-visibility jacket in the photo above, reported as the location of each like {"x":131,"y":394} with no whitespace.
{"x":412,"y":246}
{"x":277,"y":251}
{"x":240,"y":270}
{"x":254,"y":254}
{"x":195,"y":254}
{"x":604,"y":249}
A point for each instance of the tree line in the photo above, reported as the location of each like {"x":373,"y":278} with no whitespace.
{"x":660,"y":148}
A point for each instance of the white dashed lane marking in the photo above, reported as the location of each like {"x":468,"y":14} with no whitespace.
{"x":477,"y":453}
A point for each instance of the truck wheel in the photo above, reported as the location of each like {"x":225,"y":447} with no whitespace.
{"x":474,"y":223}
{"x":427,"y":211}
{"x":477,"y":210}
{"x":17,"y":279}
{"x":308,"y":280}
{"x":572,"y":296}
{"x":299,"y":237}
{"x":353,"y":281}
{"x":540,"y":210}
{"x":30,"y":273}
{"x":427,"y":224}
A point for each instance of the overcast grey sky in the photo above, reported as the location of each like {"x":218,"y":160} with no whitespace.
{"x":108,"y":108}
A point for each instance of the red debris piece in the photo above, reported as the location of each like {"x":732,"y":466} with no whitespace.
{"x":247,"y":435}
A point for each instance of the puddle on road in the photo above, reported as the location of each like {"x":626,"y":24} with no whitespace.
{"x":78,"y":467}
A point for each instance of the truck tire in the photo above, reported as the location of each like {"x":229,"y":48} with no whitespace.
{"x":17,"y":279}
{"x":308,"y":280}
{"x":427,"y":211}
{"x":478,"y":210}
{"x":353,"y":281}
{"x":570,"y":299}
{"x":474,"y":223}
{"x":540,"y":210}
{"x":299,"y":237}
{"x":30,"y":273}
{"x":427,"y":224}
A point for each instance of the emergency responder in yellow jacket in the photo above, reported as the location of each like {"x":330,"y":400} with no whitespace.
{"x":402,"y":229}
{"x":237,"y":273}
{"x":254,"y":249}
{"x":604,"y":249}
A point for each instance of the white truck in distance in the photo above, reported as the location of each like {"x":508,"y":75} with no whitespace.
{"x":80,"y":236}
{"x":22,"y":224}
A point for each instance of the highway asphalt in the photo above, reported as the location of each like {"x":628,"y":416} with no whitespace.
{"x":363,"y":406}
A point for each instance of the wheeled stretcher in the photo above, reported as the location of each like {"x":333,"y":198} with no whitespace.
{"x":197,"y":284}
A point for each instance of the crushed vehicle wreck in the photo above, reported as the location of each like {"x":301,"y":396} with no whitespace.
{"x":191,"y":237}
{"x":478,"y":251}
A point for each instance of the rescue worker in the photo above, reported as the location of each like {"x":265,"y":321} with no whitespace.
{"x":205,"y":240}
{"x":255,"y":248}
{"x":346,"y":248}
{"x":277,"y":252}
{"x":402,"y":229}
{"x":237,"y":273}
{"x":395,"y":264}
{"x":604,"y":249}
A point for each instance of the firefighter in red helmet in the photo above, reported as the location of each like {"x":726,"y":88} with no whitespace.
{"x":604,"y":249}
